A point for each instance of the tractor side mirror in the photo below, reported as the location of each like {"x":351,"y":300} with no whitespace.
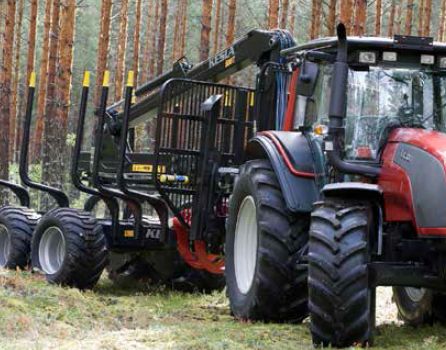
{"x":306,"y":84}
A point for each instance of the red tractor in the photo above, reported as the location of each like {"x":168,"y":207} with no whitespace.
{"x":353,"y":190}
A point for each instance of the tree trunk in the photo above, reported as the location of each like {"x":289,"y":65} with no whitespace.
{"x":155,"y":26}
{"x":162,"y":36}
{"x":332,"y":17}
{"x":136,"y":40}
{"x":103,"y":44}
{"x":293,"y":17}
{"x":273,"y":14}
{"x":360,"y":17}
{"x":398,"y":18}
{"x":420,"y":17}
{"x":51,"y":167}
{"x":147,"y":44}
{"x":43,"y":79}
{"x":15,"y":82}
{"x":206,"y":19}
{"x":216,"y":43}
{"x":391,"y":20}
{"x":32,"y":39}
{"x":345,"y":15}
{"x":122,"y":46}
{"x":378,"y":18}
{"x":409,"y":16}
{"x":230,"y":34}
{"x":5,"y":86}
{"x":442,"y":21}
{"x":284,"y":16}
{"x":183,"y":29}
{"x":427,"y":17}
{"x":67,"y":20}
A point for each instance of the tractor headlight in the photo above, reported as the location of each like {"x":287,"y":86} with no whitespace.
{"x":368,"y":57}
{"x":427,"y":59}
{"x":442,"y":62}
{"x":390,"y":56}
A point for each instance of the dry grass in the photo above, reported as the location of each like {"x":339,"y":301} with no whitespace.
{"x":34,"y":315}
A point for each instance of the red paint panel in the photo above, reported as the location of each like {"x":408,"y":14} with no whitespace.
{"x":292,"y":100}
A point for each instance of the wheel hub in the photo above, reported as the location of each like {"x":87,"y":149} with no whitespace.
{"x":52,"y":250}
{"x":245,"y":245}
{"x":5,"y":245}
{"x":415,"y":294}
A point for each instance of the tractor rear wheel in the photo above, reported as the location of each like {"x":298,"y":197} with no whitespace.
{"x":341,"y":301}
{"x":69,"y":247}
{"x":16,"y":227}
{"x":418,"y":306}
{"x":266,"y":275}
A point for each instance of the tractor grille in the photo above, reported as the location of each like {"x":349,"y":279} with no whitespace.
{"x":181,"y":137}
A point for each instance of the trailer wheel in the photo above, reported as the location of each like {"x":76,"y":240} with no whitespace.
{"x":16,"y":227}
{"x":265,"y":276}
{"x":69,"y":247}
{"x":341,"y":302}
{"x":418,"y":306}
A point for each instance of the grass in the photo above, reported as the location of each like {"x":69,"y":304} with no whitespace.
{"x":35,"y":315}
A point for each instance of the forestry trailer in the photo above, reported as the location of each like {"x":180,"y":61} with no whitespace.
{"x":307,"y":192}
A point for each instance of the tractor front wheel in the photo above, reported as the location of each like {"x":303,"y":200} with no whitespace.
{"x":341,"y":302}
{"x":266,"y":275}
{"x":69,"y":247}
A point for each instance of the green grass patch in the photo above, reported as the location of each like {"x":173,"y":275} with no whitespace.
{"x":35,"y":315}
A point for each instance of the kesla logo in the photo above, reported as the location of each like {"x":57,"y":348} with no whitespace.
{"x":406,"y":156}
{"x":221,"y":57}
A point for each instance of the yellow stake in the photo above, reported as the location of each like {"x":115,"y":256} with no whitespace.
{"x":106,"y":82}
{"x":32,"y":80}
{"x":86,"y":79}
{"x":131,"y":79}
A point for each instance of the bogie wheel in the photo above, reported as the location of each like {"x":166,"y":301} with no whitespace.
{"x":341,"y":302}
{"x":418,"y":306}
{"x":16,"y":227}
{"x":265,"y":244}
{"x":69,"y":247}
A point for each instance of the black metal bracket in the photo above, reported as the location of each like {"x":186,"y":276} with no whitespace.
{"x":112,"y":203}
{"x":20,"y":191}
{"x":59,"y":196}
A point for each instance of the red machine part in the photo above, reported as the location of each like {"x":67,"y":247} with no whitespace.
{"x":398,"y":201}
{"x":199,"y":259}
{"x":292,"y":100}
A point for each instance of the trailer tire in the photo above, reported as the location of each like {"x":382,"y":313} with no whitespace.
{"x":419,"y":306}
{"x":16,"y":227}
{"x":272,"y":284}
{"x":341,"y":301}
{"x":69,"y":247}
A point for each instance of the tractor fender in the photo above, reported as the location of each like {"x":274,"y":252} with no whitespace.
{"x":355,"y":190}
{"x":292,"y":161}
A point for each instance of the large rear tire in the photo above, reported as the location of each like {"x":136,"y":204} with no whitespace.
{"x":266,"y":276}
{"x":16,"y":227}
{"x":341,"y":302}
{"x":69,"y":247}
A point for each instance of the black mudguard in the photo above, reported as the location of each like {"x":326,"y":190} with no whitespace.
{"x":300,"y":192}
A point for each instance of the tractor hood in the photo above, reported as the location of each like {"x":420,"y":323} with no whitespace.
{"x":413,"y":179}
{"x":432,"y":142}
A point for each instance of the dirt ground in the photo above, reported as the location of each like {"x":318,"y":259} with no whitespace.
{"x":35,"y":315}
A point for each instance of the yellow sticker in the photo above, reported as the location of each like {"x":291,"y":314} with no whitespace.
{"x":147,"y":168}
{"x":229,"y":62}
{"x":129,"y":233}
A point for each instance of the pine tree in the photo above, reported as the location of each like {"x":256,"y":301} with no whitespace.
{"x":332,"y":17}
{"x":273,"y":14}
{"x":427,"y":17}
{"x":122,"y":46}
{"x":5,"y":86}
{"x":391,"y":20}
{"x":103,"y":45}
{"x":162,"y":36}
{"x":136,"y":40}
{"x":409,"y":16}
{"x":216,"y":41}
{"x":360,"y":17}
{"x":206,"y":19}
{"x":284,"y":15}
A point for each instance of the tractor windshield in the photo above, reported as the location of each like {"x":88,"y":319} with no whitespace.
{"x":383,"y":98}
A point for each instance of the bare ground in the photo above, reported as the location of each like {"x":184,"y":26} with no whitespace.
{"x":35,"y":315}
